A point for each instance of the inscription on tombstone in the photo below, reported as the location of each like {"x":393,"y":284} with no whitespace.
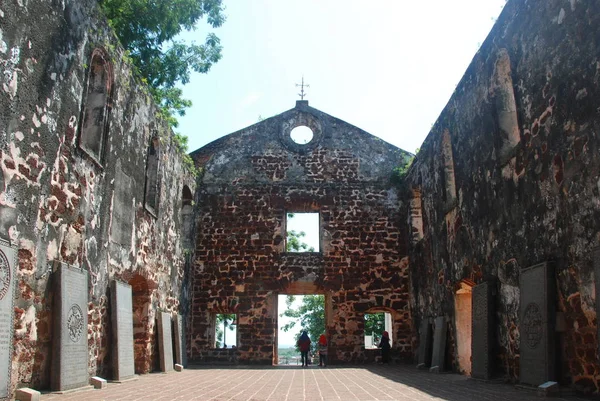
{"x":425,"y":343}
{"x":122,"y":331}
{"x":70,"y":343}
{"x":122,"y":217}
{"x":178,"y":326}
{"x":165,"y":342}
{"x":482,"y":335}
{"x":596,"y":255}
{"x":8,"y":271}
{"x":439,"y":344}
{"x":537,"y":324}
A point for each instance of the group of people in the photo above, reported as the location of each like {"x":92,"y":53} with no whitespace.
{"x":303,"y":344}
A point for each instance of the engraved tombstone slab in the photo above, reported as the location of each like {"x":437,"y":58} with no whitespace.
{"x":425,"y":343}
{"x":537,"y":324}
{"x":70,"y":344}
{"x":482,"y":335}
{"x":439,"y":344}
{"x":8,"y":272}
{"x":165,"y":342}
{"x":122,"y":331}
{"x":122,"y":217}
{"x":178,"y":332}
{"x":596,"y":256}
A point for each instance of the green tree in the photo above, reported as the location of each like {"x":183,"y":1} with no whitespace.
{"x":147,"y":30}
{"x":223,"y":322}
{"x":294,"y":241}
{"x":374,"y":324}
{"x":310,"y":314}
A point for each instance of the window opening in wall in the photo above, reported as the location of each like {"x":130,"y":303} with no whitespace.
{"x":226,"y":330}
{"x":302,"y":232}
{"x":297,"y":313}
{"x":301,"y":135}
{"x":95,"y":111}
{"x":375,"y":325}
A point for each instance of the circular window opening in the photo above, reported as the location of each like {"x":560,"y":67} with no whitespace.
{"x":301,"y":135}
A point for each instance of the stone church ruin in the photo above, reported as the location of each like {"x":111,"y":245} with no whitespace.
{"x":115,"y":258}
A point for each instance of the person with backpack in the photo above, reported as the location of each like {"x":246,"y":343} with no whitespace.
{"x":304,"y":346}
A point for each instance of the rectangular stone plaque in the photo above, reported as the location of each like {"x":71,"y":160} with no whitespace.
{"x":537,"y":324}
{"x":178,"y":332}
{"x":596,"y":256}
{"x":122,"y":331}
{"x":165,"y":342}
{"x":123,"y":215}
{"x":482,"y":331}
{"x":8,"y":273}
{"x":439,"y":344}
{"x":70,"y":343}
{"x":425,"y":344}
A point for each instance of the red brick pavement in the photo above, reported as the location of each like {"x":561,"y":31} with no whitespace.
{"x":395,"y":382}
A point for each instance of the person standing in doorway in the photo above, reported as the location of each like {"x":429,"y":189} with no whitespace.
{"x":322,"y":350}
{"x":304,"y":346}
{"x":385,"y":346}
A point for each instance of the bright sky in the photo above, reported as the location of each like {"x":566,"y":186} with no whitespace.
{"x":388,"y":67}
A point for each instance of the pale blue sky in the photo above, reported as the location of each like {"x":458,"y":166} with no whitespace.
{"x":388,"y":67}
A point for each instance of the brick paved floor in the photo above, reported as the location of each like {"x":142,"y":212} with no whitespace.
{"x":395,"y":382}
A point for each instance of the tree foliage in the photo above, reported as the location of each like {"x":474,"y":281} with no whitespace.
{"x":294,"y":241}
{"x":374,"y":324}
{"x":148,"y":29}
{"x":223,"y":322}
{"x":310,"y":314}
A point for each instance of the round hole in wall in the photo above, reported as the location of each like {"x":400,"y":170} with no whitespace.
{"x":301,"y":135}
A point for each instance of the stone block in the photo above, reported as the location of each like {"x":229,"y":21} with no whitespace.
{"x":8,"y":274}
{"x":596,"y":260}
{"x":122,"y":331}
{"x":483,"y":328}
{"x":178,"y":334}
{"x":98,"y":382}
{"x":439,"y":344}
{"x":27,"y":394}
{"x":178,"y":367}
{"x":165,"y":342}
{"x":425,"y":344}
{"x":70,"y":343}
{"x":549,"y":389}
{"x":537,"y":324}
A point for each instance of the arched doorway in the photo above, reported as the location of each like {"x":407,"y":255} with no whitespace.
{"x":463,"y":322}
{"x":143,"y":325}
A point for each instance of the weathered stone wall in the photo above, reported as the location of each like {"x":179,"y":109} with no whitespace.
{"x":508,"y":177}
{"x":252,"y":178}
{"x":58,"y":203}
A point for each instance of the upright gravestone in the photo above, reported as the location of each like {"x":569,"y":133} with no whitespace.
{"x":439,"y":345}
{"x":596,"y":255}
{"x":178,"y":326}
{"x":165,"y":342}
{"x":482,"y":335}
{"x":122,"y":331}
{"x":537,"y":324}
{"x":425,"y":343}
{"x":70,"y":344}
{"x":8,"y":273}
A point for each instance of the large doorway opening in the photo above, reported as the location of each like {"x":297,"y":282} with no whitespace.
{"x":297,"y":313}
{"x":463,"y":314}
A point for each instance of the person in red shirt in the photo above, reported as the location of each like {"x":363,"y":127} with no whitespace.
{"x":304,"y":346}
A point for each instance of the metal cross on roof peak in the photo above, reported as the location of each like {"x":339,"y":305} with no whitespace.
{"x":302,"y":86}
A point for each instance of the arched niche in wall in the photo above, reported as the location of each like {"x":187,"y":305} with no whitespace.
{"x":187,"y":218}
{"x":151,"y":191}
{"x":96,"y":108}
